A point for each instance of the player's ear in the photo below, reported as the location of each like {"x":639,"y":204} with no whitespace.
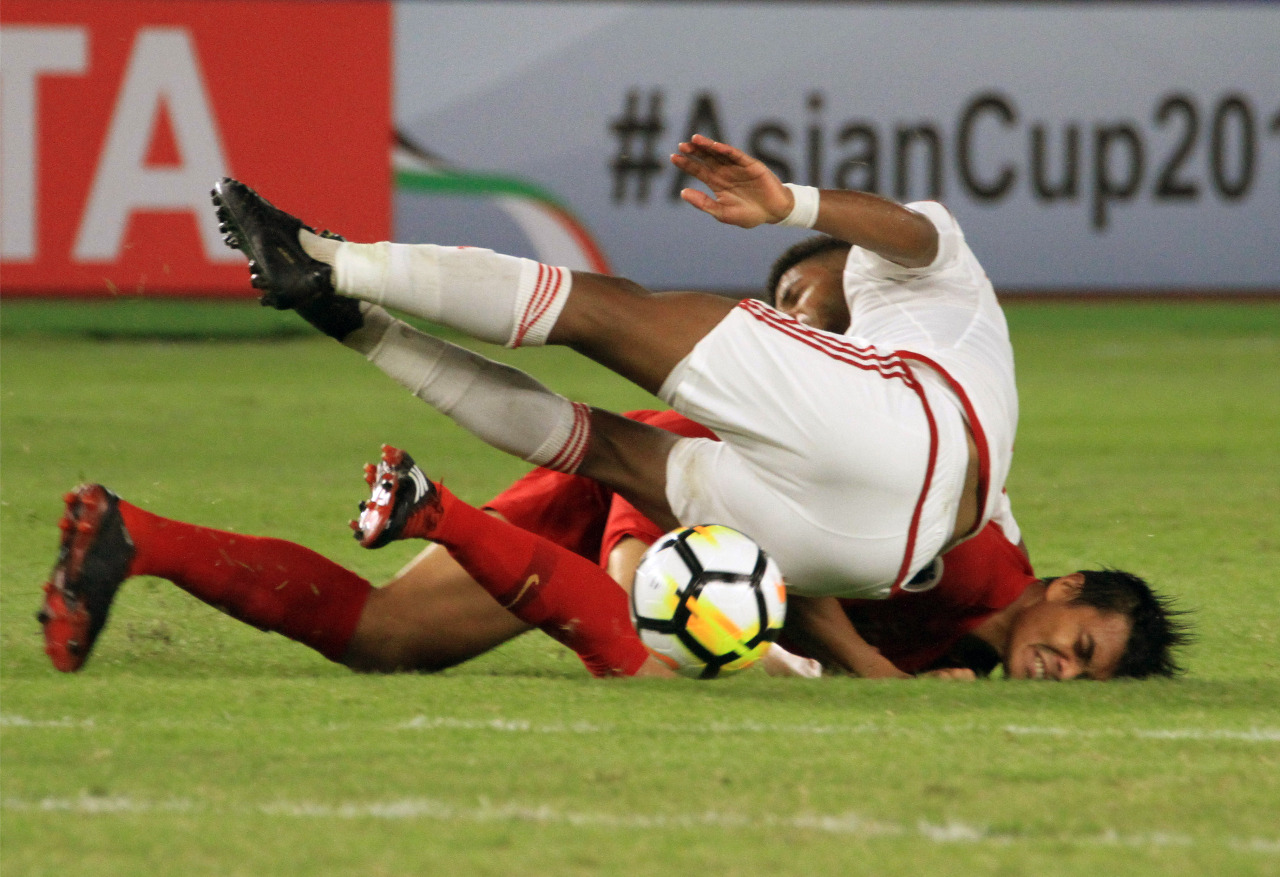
{"x":1064,"y":589}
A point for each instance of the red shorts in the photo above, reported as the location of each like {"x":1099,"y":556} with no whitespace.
{"x":580,"y":514}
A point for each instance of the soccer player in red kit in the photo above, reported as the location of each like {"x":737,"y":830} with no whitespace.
{"x":982,"y":592}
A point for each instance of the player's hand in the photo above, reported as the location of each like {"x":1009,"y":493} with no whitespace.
{"x":956,"y":674}
{"x":744,"y":192}
{"x":779,"y":662}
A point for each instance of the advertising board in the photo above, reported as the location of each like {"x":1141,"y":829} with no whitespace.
{"x":1083,"y":147}
{"x":117,"y":118}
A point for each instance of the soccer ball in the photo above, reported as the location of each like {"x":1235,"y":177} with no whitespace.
{"x":707,"y":601}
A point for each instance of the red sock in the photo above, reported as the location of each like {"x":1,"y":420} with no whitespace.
{"x":566,"y":596}
{"x":270,"y":583}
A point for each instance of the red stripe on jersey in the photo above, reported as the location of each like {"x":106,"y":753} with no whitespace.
{"x":835,"y":346}
{"x":905,"y":570}
{"x":888,"y":366}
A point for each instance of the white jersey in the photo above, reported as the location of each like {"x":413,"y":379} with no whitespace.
{"x":945,"y":315}
{"x":845,"y":455}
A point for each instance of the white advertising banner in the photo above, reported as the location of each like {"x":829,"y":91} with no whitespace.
{"x":1089,"y":147}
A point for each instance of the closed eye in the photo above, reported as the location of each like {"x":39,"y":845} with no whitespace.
{"x":1085,"y":647}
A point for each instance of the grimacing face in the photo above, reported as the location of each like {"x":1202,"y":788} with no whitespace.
{"x":812,"y":291}
{"x":1057,"y":640}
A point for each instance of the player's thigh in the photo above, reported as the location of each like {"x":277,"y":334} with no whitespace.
{"x":712,"y":483}
{"x":631,"y":458}
{"x":639,"y":334}
{"x":432,"y":615}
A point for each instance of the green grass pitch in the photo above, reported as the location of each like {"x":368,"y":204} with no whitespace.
{"x":195,"y":745}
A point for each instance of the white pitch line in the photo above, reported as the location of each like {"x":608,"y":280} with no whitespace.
{"x":1251,"y":735}
{"x":431,"y":723}
{"x":486,"y":811}
{"x":101,"y":805}
{"x":509,"y":725}
{"x":527,"y":726}
{"x":11,"y":721}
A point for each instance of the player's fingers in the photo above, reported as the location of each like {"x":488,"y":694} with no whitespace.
{"x":685,"y":162}
{"x":696,"y":169}
{"x":705,"y":143}
{"x":956,"y":674}
{"x":691,"y":152}
{"x":702,"y":201}
{"x":711,"y":152}
{"x":722,"y":151}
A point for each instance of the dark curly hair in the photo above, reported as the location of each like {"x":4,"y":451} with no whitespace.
{"x":794,"y":255}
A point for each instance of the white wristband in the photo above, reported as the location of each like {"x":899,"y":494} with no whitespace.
{"x":805,"y":212}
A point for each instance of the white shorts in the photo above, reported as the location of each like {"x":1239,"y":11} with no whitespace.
{"x":840,"y":460}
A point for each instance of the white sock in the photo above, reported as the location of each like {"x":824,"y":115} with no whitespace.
{"x":319,"y":248}
{"x":501,"y":405}
{"x":496,"y":298}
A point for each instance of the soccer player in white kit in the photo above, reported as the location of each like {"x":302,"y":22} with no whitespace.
{"x":887,"y":414}
{"x":854,"y":460}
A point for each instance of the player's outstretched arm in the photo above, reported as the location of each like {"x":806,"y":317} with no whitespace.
{"x":745,"y":193}
{"x":874,"y":223}
{"x":820,"y":625}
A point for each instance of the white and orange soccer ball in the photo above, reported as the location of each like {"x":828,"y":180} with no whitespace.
{"x":708,"y":601}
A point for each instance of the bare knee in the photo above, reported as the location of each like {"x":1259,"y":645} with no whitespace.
{"x":384,"y":643}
